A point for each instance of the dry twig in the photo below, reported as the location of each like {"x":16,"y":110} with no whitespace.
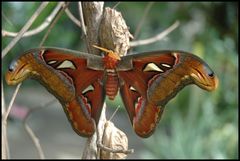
{"x":4,"y":120}
{"x":140,"y":24}
{"x":53,"y":23}
{"x":116,"y":5}
{"x":81,"y":18}
{"x":114,"y":113}
{"x":155,"y":38}
{"x":30,"y":131}
{"x":74,"y":19}
{"x":100,"y":145}
{"x":6,"y":19}
{"x":5,"y":115}
{"x":35,"y":141}
{"x":91,"y":13}
{"x":5,"y":150}
{"x":24,"y":29}
{"x":38,"y":29}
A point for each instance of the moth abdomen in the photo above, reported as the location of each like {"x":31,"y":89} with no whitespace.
{"x":112,"y":84}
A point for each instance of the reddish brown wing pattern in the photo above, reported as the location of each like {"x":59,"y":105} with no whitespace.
{"x":156,"y":78}
{"x":147,"y":82}
{"x":67,"y":77}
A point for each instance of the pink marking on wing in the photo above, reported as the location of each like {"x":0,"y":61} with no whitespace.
{"x":139,"y":104}
{"x":176,"y":55}
{"x":85,"y":101}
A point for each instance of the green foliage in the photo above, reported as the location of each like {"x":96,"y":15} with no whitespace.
{"x":195,"y":124}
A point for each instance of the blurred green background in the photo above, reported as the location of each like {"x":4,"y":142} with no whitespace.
{"x":195,"y":124}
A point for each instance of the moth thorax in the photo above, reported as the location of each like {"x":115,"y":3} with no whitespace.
{"x":111,"y":84}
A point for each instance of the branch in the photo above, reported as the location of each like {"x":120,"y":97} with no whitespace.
{"x":30,"y":131}
{"x":113,"y":34}
{"x":35,"y":141}
{"x":114,"y":113}
{"x":81,"y":18}
{"x":5,"y":115}
{"x":5,"y":150}
{"x":24,"y":29}
{"x":100,"y":145}
{"x":6,"y":19}
{"x":74,"y":19}
{"x":53,"y":23}
{"x":155,"y":38}
{"x":40,"y":28}
{"x":91,"y":15}
{"x":4,"y":121}
{"x":139,"y":26}
{"x":116,"y":5}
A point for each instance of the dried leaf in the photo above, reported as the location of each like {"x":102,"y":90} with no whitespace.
{"x":115,"y":139}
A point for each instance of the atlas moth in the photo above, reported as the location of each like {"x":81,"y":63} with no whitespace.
{"x":81,"y":81}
